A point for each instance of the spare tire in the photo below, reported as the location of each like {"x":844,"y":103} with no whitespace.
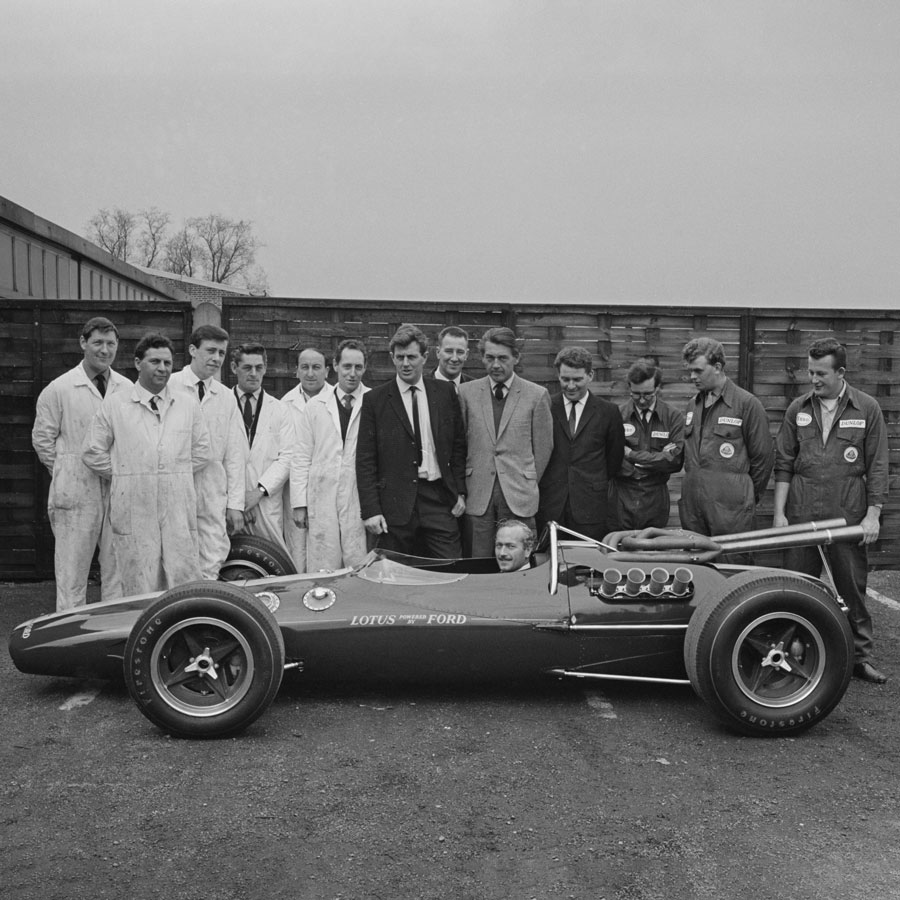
{"x":252,"y":556}
{"x":770,"y":652}
{"x":204,"y":660}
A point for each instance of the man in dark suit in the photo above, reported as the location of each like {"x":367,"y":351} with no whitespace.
{"x":452,"y":353}
{"x":588,"y":446}
{"x":410,"y":456}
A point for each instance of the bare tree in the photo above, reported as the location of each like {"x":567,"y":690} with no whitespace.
{"x":154,"y":223}
{"x":113,"y":230}
{"x":230,"y":246}
{"x":214,"y":247}
{"x":185,"y":254}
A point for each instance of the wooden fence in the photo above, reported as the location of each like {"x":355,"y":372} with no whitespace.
{"x":766,"y":354}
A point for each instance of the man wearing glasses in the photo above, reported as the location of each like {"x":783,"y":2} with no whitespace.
{"x":654,"y":450}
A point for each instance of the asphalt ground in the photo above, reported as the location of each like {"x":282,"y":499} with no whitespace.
{"x":632,"y":793}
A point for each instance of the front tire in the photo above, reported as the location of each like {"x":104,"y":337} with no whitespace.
{"x":204,"y":660}
{"x":770,"y":653}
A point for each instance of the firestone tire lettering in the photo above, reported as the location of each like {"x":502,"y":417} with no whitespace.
{"x":770,"y":653}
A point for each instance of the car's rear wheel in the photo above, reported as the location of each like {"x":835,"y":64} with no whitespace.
{"x":770,"y":653}
{"x":204,"y":660}
{"x":252,"y":556}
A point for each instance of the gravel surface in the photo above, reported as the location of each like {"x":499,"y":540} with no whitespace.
{"x":634,"y":793}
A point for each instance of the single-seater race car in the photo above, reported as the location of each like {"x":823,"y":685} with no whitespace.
{"x":769,"y":651}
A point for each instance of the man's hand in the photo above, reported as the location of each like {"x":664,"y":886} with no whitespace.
{"x":459,"y":507}
{"x":234,"y":520}
{"x":298,"y":514}
{"x":669,"y":451}
{"x":376,"y":525}
{"x":871,"y":525}
{"x":251,"y":499}
{"x":779,"y":520}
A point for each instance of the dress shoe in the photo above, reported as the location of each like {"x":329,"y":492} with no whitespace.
{"x":868,"y":672}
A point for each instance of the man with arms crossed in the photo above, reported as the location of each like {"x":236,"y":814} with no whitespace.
{"x":654,"y":449}
{"x":221,"y":486}
{"x":78,"y":503}
{"x":509,"y":430}
{"x":832,"y":461}
{"x":149,"y":441}
{"x":410,"y":456}
{"x":323,"y":473}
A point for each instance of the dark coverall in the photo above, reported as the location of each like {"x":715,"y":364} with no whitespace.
{"x":842,"y":478}
{"x":640,"y":490}
{"x":727,"y":462}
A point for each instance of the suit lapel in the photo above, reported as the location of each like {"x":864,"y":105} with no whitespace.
{"x":588,"y":413}
{"x":512,"y":400}
{"x":395,"y":401}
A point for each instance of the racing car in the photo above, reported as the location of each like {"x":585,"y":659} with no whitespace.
{"x":769,"y":651}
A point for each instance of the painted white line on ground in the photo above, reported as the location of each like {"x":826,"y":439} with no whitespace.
{"x":82,"y":698}
{"x":597,"y":702}
{"x":893,"y":604}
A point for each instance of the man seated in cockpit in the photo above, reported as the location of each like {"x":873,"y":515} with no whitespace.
{"x":513,"y":543}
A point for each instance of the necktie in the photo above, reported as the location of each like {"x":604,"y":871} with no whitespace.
{"x":348,"y":401}
{"x":646,"y":416}
{"x":101,"y":383}
{"x":201,"y":390}
{"x":498,"y":392}
{"x":154,"y":406}
{"x":248,"y":413}
{"x":572,"y":419}
{"x":413,"y":394}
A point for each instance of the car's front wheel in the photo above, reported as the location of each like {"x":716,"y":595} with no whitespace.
{"x":770,"y":653}
{"x":204,"y":660}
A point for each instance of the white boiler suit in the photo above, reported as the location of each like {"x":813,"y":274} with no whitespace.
{"x":323,"y":479}
{"x":151,"y":461}
{"x":269,"y":464}
{"x":79,"y":499}
{"x":222,"y":483}
{"x":295,"y":401}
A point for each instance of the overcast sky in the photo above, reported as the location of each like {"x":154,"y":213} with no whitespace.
{"x":713,"y":152}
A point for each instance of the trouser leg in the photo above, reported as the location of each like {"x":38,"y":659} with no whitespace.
{"x":75,"y":533}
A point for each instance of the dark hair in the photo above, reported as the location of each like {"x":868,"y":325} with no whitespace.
{"x":351,"y":344}
{"x":98,"y":323}
{"x":151,"y":340}
{"x":452,"y":331}
{"x":704,"y":346}
{"x":208,"y":333}
{"x":829,"y":347}
{"x":251,"y":348}
{"x":576,"y":358}
{"x":500,"y":335}
{"x":530,"y":536}
{"x":405,"y":335}
{"x":642,"y":370}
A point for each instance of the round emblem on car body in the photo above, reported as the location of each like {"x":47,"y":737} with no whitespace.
{"x":726,"y":450}
{"x":803,"y":419}
{"x":851,"y":454}
{"x":269,"y":600}
{"x":319,"y":598}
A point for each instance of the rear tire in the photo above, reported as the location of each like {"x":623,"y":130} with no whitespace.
{"x":252,"y":556}
{"x":204,"y":660}
{"x":770,"y":653}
